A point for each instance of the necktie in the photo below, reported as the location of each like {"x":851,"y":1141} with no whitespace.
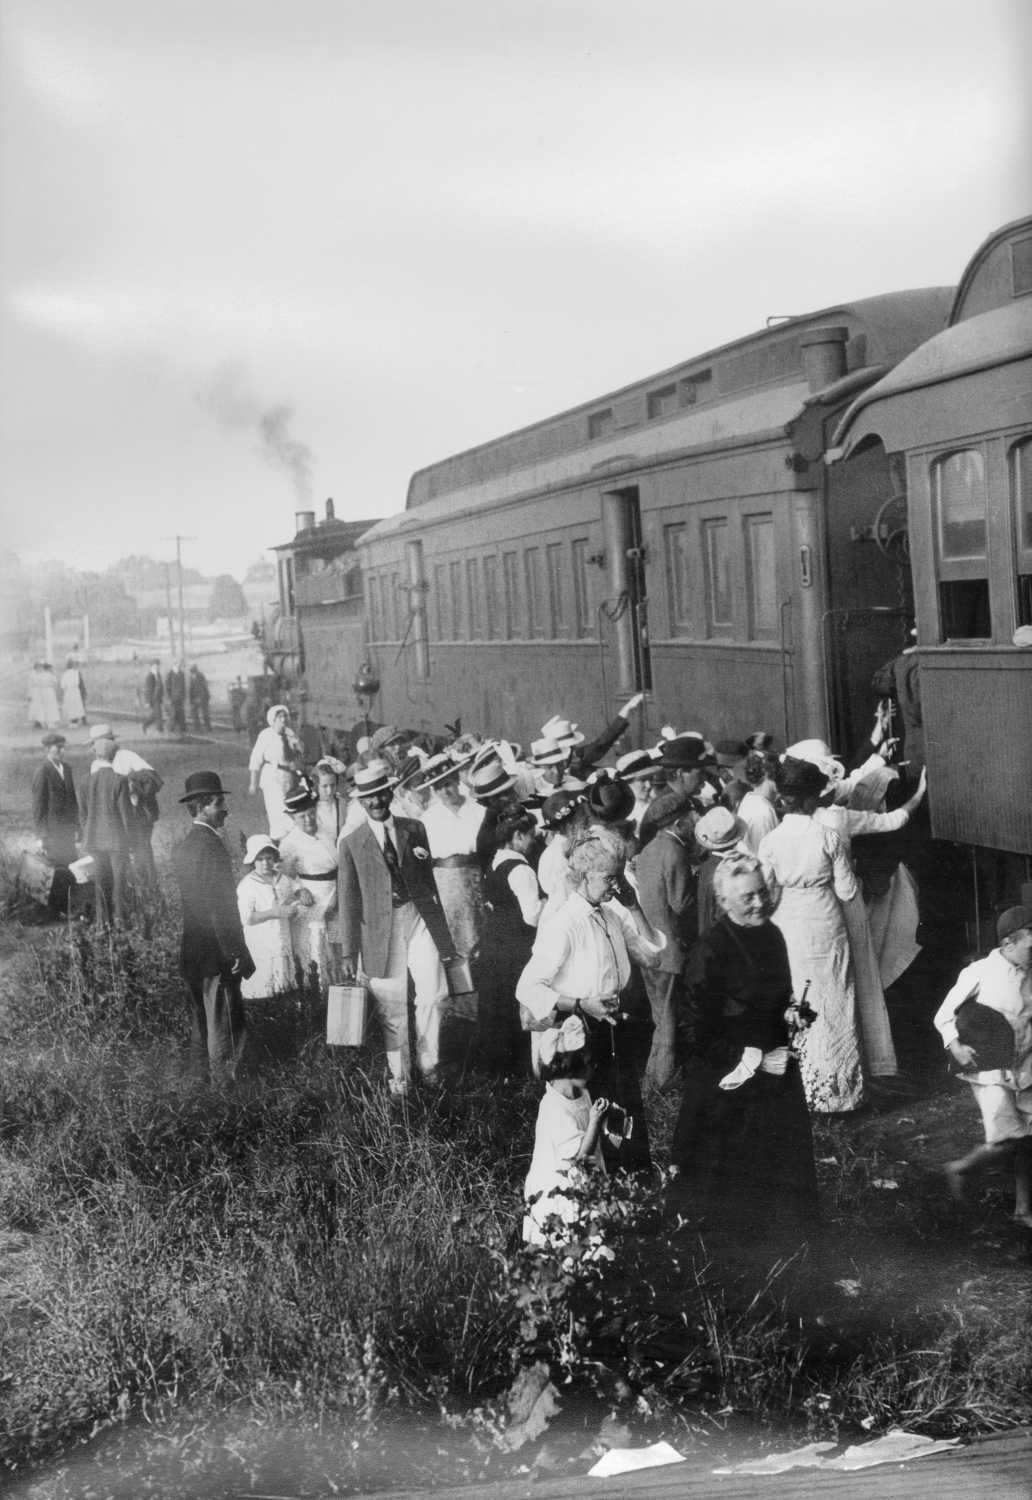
{"x":390,"y":854}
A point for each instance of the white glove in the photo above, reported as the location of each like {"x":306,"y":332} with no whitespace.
{"x":751,"y":1059}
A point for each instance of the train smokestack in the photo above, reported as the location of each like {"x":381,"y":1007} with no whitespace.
{"x":304,"y":520}
{"x":331,"y":514}
{"x":824,"y":356}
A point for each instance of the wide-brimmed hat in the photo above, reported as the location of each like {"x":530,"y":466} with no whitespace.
{"x":562,"y":731}
{"x":257,"y":844}
{"x":635,"y":764}
{"x":1012,"y":920}
{"x":719,"y":830}
{"x":684,"y":752}
{"x":53,"y":738}
{"x":374,"y":778}
{"x":489,"y":779}
{"x":800,"y":778}
{"x":442,"y":767}
{"x":204,"y":784}
{"x":300,"y":800}
{"x":610,"y":801}
{"x":729,"y":752}
{"x":277,"y":708}
{"x":102,"y":732}
{"x":818,"y":754}
{"x":548,"y":752}
{"x":412,"y":766}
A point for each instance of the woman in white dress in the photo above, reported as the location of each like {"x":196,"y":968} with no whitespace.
{"x":73,"y":696}
{"x":275,"y":766}
{"x":810,"y":865}
{"x":307,"y":860}
{"x":756,"y":808}
{"x":267,"y":902}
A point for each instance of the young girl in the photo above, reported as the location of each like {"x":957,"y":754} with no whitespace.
{"x":568,"y":1127}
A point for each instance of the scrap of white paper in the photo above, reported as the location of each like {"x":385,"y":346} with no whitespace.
{"x":623,"y":1460}
{"x":810,"y":1457}
{"x":895,"y":1446}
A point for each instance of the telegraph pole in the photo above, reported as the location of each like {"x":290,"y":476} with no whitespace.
{"x":168,"y":611}
{"x":179,"y":540}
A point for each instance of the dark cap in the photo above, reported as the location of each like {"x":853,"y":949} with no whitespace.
{"x":53,"y":738}
{"x":300,"y":800}
{"x":1012,"y":920}
{"x":685,"y":752}
{"x":203,"y":784}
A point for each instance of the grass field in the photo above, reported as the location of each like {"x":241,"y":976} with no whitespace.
{"x":298,"y":1288}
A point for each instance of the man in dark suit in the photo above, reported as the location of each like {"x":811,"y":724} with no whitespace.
{"x":390,"y":923}
{"x":154,"y":697}
{"x":214,"y":957}
{"x":55,"y":812}
{"x":175,"y":692}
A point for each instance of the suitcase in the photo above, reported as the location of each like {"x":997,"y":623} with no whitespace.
{"x":347,"y":1006}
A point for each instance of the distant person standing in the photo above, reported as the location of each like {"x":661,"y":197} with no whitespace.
{"x":237,"y":697}
{"x":214,"y":957}
{"x":105,"y":831}
{"x":175,"y":692}
{"x":200,"y":701}
{"x":50,"y":709}
{"x":73,"y":693}
{"x":55,"y":813}
{"x":154,"y":697}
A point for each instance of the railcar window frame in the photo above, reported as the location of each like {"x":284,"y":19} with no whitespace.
{"x":455,"y":582}
{"x":492,"y":603}
{"x":711,"y":526}
{"x":755,"y":581}
{"x":963,"y":580}
{"x":555,"y":574}
{"x":442,"y":603}
{"x":1019,"y":476}
{"x":474,"y":615}
{"x":511,"y":594}
{"x":677,"y":541}
{"x":533,"y":593}
{"x":583,"y":620}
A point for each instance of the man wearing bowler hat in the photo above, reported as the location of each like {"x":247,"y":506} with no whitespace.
{"x":55,"y":812}
{"x":214,"y":957}
{"x":390,"y":923}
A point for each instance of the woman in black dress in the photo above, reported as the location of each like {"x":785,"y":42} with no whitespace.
{"x":742,"y":1147}
{"x":513,"y":903}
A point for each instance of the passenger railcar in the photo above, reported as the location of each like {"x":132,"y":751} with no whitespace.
{"x":953,"y":423}
{"x":682,"y":536}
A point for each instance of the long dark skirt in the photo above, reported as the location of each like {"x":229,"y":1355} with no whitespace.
{"x":746,"y":1155}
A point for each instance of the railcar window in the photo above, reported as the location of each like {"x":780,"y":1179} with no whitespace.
{"x":760,"y":576}
{"x":662,"y":402}
{"x":581,"y":596}
{"x":492,"y":617}
{"x":600,"y":422}
{"x":959,"y":502}
{"x":1021,"y":491}
{"x":959,"y":490}
{"x":395,"y":608}
{"x":717,"y":559}
{"x":511,"y":587}
{"x":532,"y":572}
{"x":455,"y":589}
{"x":1021,"y":266}
{"x":476,"y":629}
{"x":442,"y":603}
{"x":375,"y":611}
{"x":556,"y":599}
{"x":679,"y":578}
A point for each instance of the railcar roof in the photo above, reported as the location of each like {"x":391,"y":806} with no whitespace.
{"x":882,"y":329}
{"x":997,"y":337}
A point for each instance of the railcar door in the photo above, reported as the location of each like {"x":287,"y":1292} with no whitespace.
{"x":627,"y":604}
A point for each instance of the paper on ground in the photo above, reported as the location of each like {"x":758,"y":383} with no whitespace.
{"x":893,"y":1448}
{"x":623,"y":1460}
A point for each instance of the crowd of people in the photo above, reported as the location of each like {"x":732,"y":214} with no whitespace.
{"x":54,"y":700}
{"x":681,"y":917}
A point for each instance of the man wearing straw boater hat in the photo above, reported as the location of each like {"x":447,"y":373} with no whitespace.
{"x":214,"y":957}
{"x":391,"y":926}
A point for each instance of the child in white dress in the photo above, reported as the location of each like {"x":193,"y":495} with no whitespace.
{"x":567,"y":1133}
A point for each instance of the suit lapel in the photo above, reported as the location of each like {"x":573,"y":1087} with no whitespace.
{"x":401,"y":838}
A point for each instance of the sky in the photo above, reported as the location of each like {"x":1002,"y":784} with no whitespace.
{"x":256,"y":253}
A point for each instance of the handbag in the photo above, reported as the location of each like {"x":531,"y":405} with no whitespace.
{"x":347,"y":1007}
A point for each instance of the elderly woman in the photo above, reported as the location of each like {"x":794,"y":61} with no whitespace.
{"x":742,"y":1144}
{"x":580,"y":964}
{"x":810,"y":865}
{"x":275,"y":766}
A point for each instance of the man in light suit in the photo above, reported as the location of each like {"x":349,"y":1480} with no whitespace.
{"x":390,"y":924}
{"x":214,"y":957}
